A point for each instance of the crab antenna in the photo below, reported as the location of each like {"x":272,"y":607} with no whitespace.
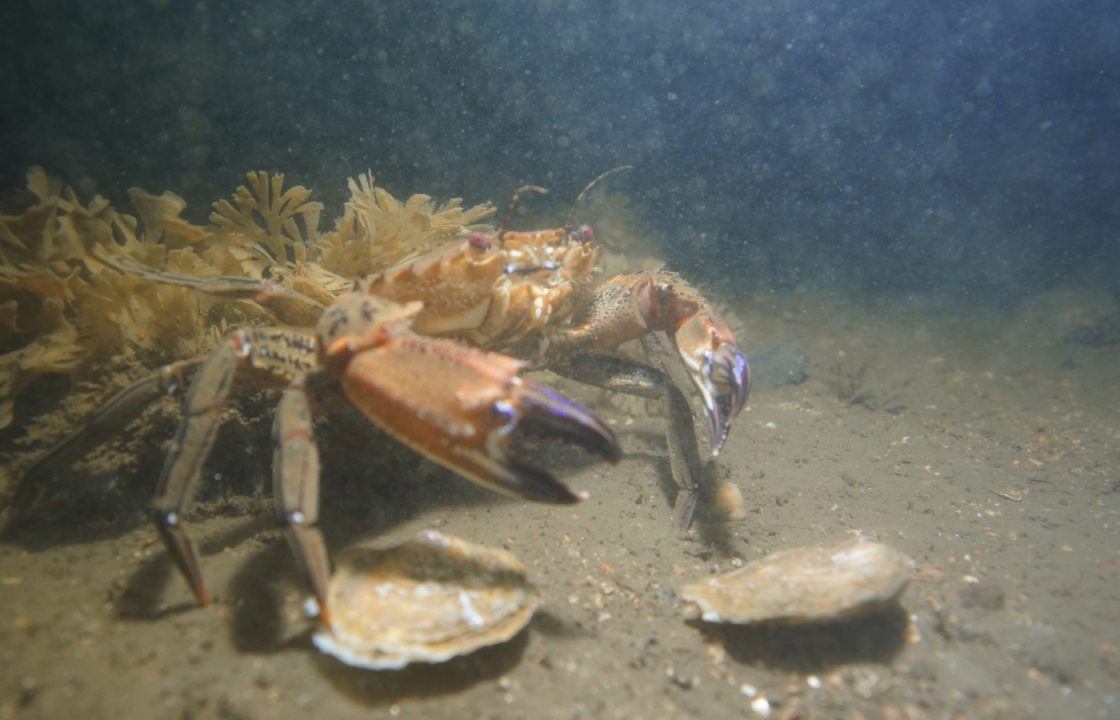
{"x":504,"y":227}
{"x":570,"y":222}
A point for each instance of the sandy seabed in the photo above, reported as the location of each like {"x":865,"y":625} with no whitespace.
{"x":983,"y":443}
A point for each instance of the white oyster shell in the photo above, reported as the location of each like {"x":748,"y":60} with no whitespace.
{"x":426,"y":600}
{"x":813,"y":584}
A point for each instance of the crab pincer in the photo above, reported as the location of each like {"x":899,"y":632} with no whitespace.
{"x":718,"y":369}
{"x":464,"y":408}
{"x":540,"y":413}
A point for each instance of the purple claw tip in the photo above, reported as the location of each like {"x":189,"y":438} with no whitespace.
{"x":570,"y":420}
{"x":737,"y":373}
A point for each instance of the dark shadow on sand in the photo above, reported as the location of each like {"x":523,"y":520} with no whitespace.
{"x":550,"y":624}
{"x":376,"y":688}
{"x":816,"y":647}
{"x":713,"y":534}
{"x":142,"y":598}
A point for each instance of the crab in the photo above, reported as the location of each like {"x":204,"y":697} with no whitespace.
{"x":532,"y":293}
{"x":426,"y":351}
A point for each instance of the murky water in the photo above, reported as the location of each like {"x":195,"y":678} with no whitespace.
{"x":904,"y":215}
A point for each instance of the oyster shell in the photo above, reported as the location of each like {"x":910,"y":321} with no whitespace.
{"x":426,"y":600}
{"x":812,"y":584}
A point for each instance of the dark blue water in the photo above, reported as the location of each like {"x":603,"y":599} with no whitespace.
{"x":901,"y":147}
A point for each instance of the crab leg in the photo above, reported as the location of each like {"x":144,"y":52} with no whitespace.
{"x":181,"y":469}
{"x":625,"y":376}
{"x":105,"y":422}
{"x":289,"y":306}
{"x":279,"y":352}
{"x":295,"y":479}
{"x":680,"y":436}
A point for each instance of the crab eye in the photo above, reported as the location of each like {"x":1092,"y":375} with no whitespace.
{"x":479,"y":241}
{"x":584,"y":234}
{"x":503,"y":410}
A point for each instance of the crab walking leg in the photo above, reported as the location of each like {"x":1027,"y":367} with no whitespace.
{"x":106,"y":421}
{"x":295,"y":489}
{"x":279,"y":352}
{"x":634,"y":378}
{"x":178,"y":480}
{"x":289,"y":306}
{"x":680,"y":437}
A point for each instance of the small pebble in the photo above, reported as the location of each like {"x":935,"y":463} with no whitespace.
{"x":727,"y":502}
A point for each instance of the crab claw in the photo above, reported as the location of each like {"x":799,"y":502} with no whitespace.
{"x":719,"y":370}
{"x":469,"y":411}
{"x":539,"y":413}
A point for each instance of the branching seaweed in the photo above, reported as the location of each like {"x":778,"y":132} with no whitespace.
{"x":377,"y":230}
{"x":263,"y":216}
{"x":66,"y":308}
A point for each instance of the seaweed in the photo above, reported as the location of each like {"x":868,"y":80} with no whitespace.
{"x":66,"y":308}
{"x":376,"y":230}
{"x":63,"y":307}
{"x":263,"y":216}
